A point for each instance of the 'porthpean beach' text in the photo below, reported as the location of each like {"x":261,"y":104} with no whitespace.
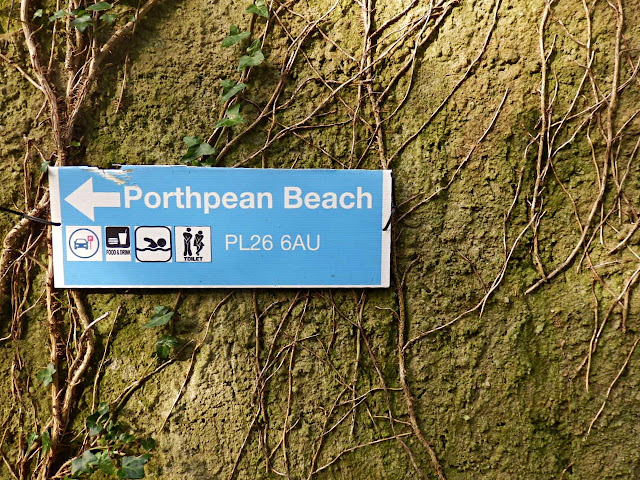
{"x":293,"y":198}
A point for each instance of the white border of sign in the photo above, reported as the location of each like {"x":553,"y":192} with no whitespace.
{"x":56,"y":217}
{"x":58,"y":267}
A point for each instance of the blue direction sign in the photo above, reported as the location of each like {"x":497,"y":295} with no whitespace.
{"x":175,"y":226}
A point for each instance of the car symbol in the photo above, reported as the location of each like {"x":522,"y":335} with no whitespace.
{"x":81,"y":243}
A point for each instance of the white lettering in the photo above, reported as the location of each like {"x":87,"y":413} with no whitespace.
{"x":362,"y":195}
{"x":131,"y":193}
{"x":191,"y":195}
{"x":166,"y":196}
{"x":292,"y":194}
{"x":312,"y":200}
{"x":247,"y":200}
{"x":179,"y":196}
{"x":268,"y":196}
{"x":230,"y":240}
{"x":329,"y":200}
{"x":156,"y":200}
{"x":343,"y":202}
{"x":230,"y":200}
{"x":207,"y":201}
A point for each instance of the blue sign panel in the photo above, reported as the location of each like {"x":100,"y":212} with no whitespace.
{"x":175,"y":226}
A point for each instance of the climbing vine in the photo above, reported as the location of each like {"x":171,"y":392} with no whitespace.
{"x":360,"y":347}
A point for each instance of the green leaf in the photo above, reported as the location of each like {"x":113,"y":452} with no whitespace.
{"x":96,"y":421}
{"x":161,"y":316}
{"x":235,"y":36}
{"x":250,"y":60}
{"x":148,"y":443}
{"x":58,"y":15}
{"x":230,"y":89}
{"x":254,"y":47}
{"x":100,"y":6}
{"x":189,"y":157}
{"x":204,"y":149}
{"x":232,"y":117}
{"x":259,"y":8}
{"x":46,"y":375}
{"x":197,"y":148}
{"x":83,"y":464}
{"x":126,"y":438}
{"x":82,"y":22}
{"x":164,"y":345}
{"x":44,"y":166}
{"x":46,"y":441}
{"x":103,"y":408}
{"x":113,"y":430}
{"x":105,"y":463}
{"x":192,"y":141}
{"x":38,"y":13}
{"x":133,"y":467}
{"x":33,"y":436}
{"x":109,"y":18}
{"x":93,"y":424}
{"x":75,"y":143}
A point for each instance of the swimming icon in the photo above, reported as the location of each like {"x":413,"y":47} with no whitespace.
{"x":153,"y":244}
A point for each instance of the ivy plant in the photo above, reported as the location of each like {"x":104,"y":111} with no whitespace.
{"x":116,"y":453}
{"x":46,"y":375}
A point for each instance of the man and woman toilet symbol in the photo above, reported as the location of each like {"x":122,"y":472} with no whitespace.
{"x":197,"y":242}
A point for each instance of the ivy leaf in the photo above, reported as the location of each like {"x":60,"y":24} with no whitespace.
{"x":196,"y":149}
{"x":109,"y":18}
{"x":83,"y":464}
{"x":192,"y":141}
{"x":113,"y":430}
{"x":100,"y":6}
{"x":161,"y":316}
{"x":253,"y":59}
{"x":105,"y":463}
{"x":133,"y":467}
{"x":254,"y":47}
{"x":259,"y":8}
{"x":126,"y":438}
{"x":95,"y":421}
{"x":103,"y":408}
{"x":230,"y":89}
{"x":33,"y":436}
{"x":93,"y":425}
{"x":46,"y":375}
{"x":235,"y":36}
{"x":204,"y":149}
{"x":46,"y":441}
{"x":148,"y":443}
{"x":58,"y":15}
{"x":82,"y":22}
{"x":38,"y":13}
{"x":164,"y":345}
{"x":232,"y":117}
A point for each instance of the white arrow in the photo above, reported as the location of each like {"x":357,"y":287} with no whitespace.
{"x":85,"y":199}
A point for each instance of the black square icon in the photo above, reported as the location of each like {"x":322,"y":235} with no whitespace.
{"x":118,"y":237}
